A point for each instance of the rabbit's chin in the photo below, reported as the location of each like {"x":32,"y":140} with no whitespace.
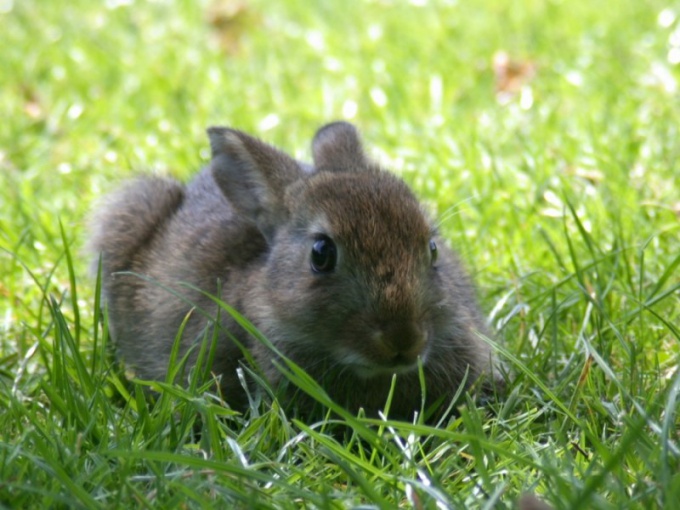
{"x":371,"y":371}
{"x":365,"y":369}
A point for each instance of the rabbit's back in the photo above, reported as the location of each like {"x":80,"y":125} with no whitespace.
{"x":163,"y":247}
{"x":130,"y":218}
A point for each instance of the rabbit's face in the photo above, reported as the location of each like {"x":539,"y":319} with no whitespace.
{"x":353,"y":274}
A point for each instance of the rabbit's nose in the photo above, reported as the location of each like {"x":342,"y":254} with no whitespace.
{"x":403,"y":342}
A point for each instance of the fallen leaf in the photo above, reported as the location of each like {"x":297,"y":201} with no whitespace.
{"x":511,"y":75}
{"x":229,"y":20}
{"x":32,"y":106}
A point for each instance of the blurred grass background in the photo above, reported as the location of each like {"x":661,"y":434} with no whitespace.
{"x":544,"y":134}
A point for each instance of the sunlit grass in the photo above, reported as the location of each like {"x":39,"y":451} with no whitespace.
{"x":554,"y":175}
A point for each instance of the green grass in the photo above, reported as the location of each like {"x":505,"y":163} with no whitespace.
{"x":563,"y":200}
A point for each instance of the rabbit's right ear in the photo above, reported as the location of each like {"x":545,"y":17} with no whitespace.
{"x":253,"y":175}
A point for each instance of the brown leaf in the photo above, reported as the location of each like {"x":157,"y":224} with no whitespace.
{"x":32,"y":106}
{"x":511,"y":74}
{"x":229,"y":20}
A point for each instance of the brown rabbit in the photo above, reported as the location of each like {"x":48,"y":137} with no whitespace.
{"x":335,"y":263}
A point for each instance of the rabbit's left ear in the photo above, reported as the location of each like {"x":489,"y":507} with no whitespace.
{"x":253,"y":176}
{"x":337,"y":147}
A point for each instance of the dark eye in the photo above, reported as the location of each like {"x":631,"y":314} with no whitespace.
{"x":433,"y":251}
{"x":324,"y":255}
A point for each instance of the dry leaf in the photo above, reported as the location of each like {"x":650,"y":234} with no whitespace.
{"x":32,"y":106}
{"x":229,"y":20}
{"x":511,"y":75}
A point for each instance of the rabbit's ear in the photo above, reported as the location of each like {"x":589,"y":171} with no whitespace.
{"x":337,"y":147}
{"x":253,"y":176}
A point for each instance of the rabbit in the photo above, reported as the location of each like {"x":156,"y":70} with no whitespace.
{"x":335,"y":263}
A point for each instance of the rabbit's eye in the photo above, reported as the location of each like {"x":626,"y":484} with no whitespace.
{"x":433,"y":251}
{"x":324,"y":255}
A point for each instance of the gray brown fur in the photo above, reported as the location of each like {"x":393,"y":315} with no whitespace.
{"x":530,"y":502}
{"x":246,"y":224}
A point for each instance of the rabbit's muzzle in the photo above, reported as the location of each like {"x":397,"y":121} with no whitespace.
{"x":398,"y":345}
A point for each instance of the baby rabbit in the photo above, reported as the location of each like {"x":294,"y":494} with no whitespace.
{"x":335,"y":263}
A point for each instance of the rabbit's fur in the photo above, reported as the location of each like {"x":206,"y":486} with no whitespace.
{"x":245,"y":228}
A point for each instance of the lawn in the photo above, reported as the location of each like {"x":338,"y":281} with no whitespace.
{"x":544,"y":136}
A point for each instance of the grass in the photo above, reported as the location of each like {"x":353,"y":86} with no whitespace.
{"x":559,"y":186}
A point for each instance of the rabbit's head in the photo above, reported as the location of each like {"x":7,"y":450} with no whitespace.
{"x":355,"y":276}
